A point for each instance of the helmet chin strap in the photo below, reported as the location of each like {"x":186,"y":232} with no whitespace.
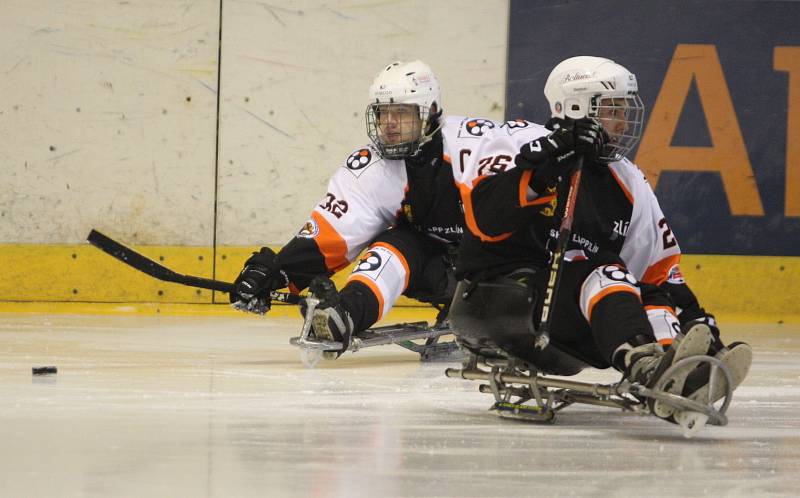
{"x":418,"y":158}
{"x":429,"y":153}
{"x":434,"y":125}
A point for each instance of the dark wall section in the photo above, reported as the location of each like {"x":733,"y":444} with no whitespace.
{"x":721,"y":84}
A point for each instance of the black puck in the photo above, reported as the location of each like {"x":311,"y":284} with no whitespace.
{"x":44,"y":370}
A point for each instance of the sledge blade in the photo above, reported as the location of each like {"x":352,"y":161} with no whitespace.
{"x":520,"y":411}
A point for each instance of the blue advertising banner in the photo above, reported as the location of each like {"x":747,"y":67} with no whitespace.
{"x":721,"y":84}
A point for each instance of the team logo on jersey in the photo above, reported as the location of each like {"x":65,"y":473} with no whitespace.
{"x":515,"y":125}
{"x":549,"y":209}
{"x":476,"y":127}
{"x":359,"y":159}
{"x":309,"y":230}
{"x":618,"y":274}
{"x":370,"y":262}
{"x":675,"y":276}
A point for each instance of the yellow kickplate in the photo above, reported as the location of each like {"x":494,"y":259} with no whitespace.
{"x":398,"y":314}
{"x":734,"y":288}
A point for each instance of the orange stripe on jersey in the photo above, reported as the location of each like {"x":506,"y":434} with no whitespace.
{"x":446,"y":158}
{"x":657,"y":273}
{"x":605,"y":292}
{"x":392,"y":249}
{"x":330,"y":243}
{"x":469,"y":215}
{"x":622,"y":186}
{"x":668,"y":309}
{"x":373,"y":287}
{"x":523,"y":192}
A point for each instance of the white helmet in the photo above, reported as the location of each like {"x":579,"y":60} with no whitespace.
{"x":595,"y":87}
{"x":394,"y":89}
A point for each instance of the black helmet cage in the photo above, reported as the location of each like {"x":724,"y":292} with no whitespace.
{"x":620,"y":145}
{"x":403,"y":149}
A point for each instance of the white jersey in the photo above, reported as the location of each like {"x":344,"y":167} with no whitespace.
{"x":633,"y":224}
{"x":365,"y":195}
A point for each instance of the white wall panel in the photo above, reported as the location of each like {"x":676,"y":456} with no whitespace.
{"x":294,"y":89}
{"x":107,"y":119}
{"x":108,"y":109}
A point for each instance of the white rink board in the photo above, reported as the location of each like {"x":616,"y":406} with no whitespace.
{"x":294,"y":91}
{"x":107,"y":120}
{"x":97,"y":129}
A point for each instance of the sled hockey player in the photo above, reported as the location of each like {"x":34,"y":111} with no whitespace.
{"x":395,"y":197}
{"x":620,"y":263}
{"x":398,"y":198}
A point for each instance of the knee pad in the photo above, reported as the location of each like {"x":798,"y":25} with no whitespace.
{"x":603,"y":281}
{"x":385,"y":271}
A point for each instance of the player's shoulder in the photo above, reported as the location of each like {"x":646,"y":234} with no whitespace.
{"x":465,"y":132}
{"x":472,"y":127}
{"x":629,"y":173}
{"x":633,"y":181}
{"x":519,"y":125}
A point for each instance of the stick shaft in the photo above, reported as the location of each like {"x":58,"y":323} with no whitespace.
{"x":146,"y":265}
{"x":557,"y":264}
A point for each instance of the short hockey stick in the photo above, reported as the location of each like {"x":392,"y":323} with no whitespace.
{"x":557,"y":264}
{"x":150,"y":267}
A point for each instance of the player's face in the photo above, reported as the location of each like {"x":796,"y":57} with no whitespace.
{"x":613,"y":114}
{"x":398,"y":123}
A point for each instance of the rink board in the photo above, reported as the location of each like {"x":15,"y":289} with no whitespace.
{"x":740,"y":288}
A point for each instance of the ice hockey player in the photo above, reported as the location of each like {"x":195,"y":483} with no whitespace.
{"x":395,"y":197}
{"x":620,"y":264}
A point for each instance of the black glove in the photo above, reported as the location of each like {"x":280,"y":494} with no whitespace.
{"x":590,"y":137}
{"x":548,"y":157}
{"x":260,"y":276}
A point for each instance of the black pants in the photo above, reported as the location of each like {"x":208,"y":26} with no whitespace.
{"x":430,"y":275}
{"x":506,"y":311}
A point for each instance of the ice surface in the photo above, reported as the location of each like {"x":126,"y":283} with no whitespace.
{"x":169,"y":406}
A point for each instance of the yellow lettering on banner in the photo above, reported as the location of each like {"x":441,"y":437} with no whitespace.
{"x":727,"y":155}
{"x":788,"y":59}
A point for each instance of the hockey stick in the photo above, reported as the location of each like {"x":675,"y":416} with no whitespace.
{"x":557,"y":265}
{"x":150,"y":267}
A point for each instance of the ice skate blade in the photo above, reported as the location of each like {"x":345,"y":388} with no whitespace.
{"x":315,"y":344}
{"x":691,"y":422}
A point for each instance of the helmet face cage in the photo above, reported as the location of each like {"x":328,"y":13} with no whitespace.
{"x":623,"y":120}
{"x":396,"y":129}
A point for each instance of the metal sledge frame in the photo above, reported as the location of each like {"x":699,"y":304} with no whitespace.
{"x":507,"y":379}
{"x":402,"y":334}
